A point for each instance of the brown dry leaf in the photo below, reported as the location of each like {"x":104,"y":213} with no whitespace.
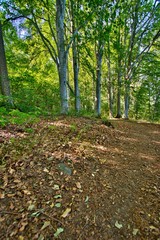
{"x":5,"y":179}
{"x":1,"y":219}
{"x":66,"y":212}
{"x":78,"y":185}
{"x":12,"y":206}
{"x":17,"y":181}
{"x":11,"y":194}
{"x":11,"y":170}
{"x":23,"y":225}
{"x":27,"y":192}
{"x":46,"y":170}
{"x":2,"y":195}
{"x":20,"y":238}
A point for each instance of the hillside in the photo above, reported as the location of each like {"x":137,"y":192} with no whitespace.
{"x":76,"y":178}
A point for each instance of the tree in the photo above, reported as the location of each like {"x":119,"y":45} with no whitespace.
{"x":62,"y":54}
{"x":5,"y":83}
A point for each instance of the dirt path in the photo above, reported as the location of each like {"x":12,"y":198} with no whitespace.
{"x":77,"y":179}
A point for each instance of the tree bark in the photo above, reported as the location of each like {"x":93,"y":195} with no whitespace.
{"x":99,"y":55}
{"x":126,"y":99}
{"x":75,"y":64}
{"x":62,"y":54}
{"x":119,"y":89}
{"x":5,"y":83}
{"x":110,"y":96}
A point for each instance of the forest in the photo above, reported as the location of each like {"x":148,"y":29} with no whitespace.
{"x":79,"y":119}
{"x":96,"y":58}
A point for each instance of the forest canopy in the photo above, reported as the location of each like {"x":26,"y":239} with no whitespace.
{"x":87,"y":57}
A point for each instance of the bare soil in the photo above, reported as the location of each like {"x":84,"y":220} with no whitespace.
{"x":78,"y":179}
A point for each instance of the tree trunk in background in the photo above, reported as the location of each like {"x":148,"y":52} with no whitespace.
{"x":99,"y":55}
{"x":119,"y":89}
{"x":62,"y":54}
{"x":119,"y":72}
{"x":126,"y":98}
{"x":5,"y":84}
{"x":110,"y":94}
{"x":75,"y":64}
{"x":129,"y":71}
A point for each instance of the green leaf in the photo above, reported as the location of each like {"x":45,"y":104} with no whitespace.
{"x":58,"y":196}
{"x":118,"y":225}
{"x":86,"y":200}
{"x":58,"y":205}
{"x":66,"y":212}
{"x":46,"y":224}
{"x":31,"y":207}
{"x":56,"y":187}
{"x":59,"y":230}
{"x":135,"y":231}
{"x":63,"y":168}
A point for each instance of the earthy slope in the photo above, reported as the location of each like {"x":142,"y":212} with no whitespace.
{"x":78,"y":179}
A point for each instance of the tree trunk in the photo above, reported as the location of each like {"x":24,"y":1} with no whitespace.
{"x":5,"y":84}
{"x":110,"y":83}
{"x":119,"y":73}
{"x":126,"y":99}
{"x":62,"y":54}
{"x":75,"y":64}
{"x":98,"y":83}
{"x":119,"y":89}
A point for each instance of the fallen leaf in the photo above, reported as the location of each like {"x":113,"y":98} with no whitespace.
{"x":11,"y":194}
{"x":57,"y":196}
{"x":20,"y":238}
{"x":27,"y":192}
{"x":2,"y":219}
{"x":11,"y":170}
{"x":66,"y":212}
{"x":46,"y":224}
{"x":86,"y":200}
{"x":59,"y":230}
{"x":11,"y":206}
{"x":5,"y":179}
{"x":58,"y":205}
{"x":2,"y":195}
{"x":23,"y":225}
{"x":56,"y":187}
{"x":63,"y":168}
{"x":31,"y":207}
{"x":46,"y":170}
{"x":118,"y":225}
{"x":52,"y":205}
{"x":135,"y":231}
{"x":78,"y":185}
{"x":41,"y":237}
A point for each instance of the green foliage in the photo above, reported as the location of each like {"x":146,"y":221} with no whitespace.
{"x":33,"y":73}
{"x":16,"y":117}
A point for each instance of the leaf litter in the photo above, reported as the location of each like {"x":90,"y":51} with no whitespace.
{"x":76,"y":178}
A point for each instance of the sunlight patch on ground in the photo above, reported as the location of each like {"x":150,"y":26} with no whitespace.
{"x":146,"y":157}
{"x":129,"y":139}
{"x":59,"y":124}
{"x":156,"y":142}
{"x":154,"y":132}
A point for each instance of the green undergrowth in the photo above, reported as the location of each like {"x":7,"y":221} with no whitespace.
{"x":14,"y":116}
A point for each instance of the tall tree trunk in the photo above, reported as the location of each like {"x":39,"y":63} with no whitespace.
{"x":126,"y":98}
{"x":119,"y":89}
{"x":5,"y":84}
{"x":110,"y":96}
{"x":119,"y":73}
{"x":129,"y":71}
{"x":75,"y":64}
{"x":99,"y":55}
{"x":62,"y":54}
